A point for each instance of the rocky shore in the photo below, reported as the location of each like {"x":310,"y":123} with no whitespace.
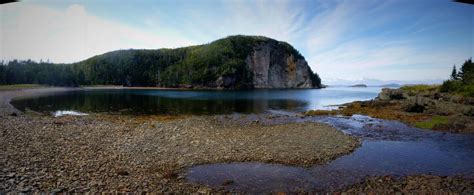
{"x":6,"y":95}
{"x":428,"y":109}
{"x":120,"y":153}
{"x":111,"y":153}
{"x":419,"y":184}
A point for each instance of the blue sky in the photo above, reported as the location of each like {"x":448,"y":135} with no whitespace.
{"x":349,"y":40}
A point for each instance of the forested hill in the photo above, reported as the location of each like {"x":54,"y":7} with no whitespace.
{"x":233,"y":62}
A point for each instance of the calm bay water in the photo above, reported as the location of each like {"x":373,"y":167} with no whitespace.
{"x":146,"y":101}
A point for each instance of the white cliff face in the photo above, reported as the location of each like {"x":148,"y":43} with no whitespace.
{"x":274,"y":67}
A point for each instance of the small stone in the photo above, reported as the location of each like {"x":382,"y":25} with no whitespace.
{"x":124,"y":188}
{"x":122,"y":172}
{"x":25,"y":189}
{"x":204,"y":190}
{"x":57,"y":190}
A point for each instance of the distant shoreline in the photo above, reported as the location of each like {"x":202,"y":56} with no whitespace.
{"x":34,"y":86}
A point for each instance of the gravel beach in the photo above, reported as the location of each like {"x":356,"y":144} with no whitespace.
{"x":417,"y":184}
{"x":110,"y":153}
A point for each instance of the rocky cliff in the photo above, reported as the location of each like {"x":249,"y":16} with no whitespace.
{"x":272,"y":66}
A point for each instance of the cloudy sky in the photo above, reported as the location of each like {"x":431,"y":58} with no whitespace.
{"x":351,"y":40}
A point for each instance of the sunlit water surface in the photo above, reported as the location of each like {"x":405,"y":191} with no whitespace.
{"x":199,"y":102}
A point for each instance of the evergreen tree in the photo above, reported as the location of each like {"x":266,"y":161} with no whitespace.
{"x":454,"y":73}
{"x":466,"y":73}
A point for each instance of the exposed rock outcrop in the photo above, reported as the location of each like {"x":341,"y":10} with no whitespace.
{"x":272,"y":66}
{"x":428,"y":109}
{"x":391,"y":94}
{"x":429,"y":102}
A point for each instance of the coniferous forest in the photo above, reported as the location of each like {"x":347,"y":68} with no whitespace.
{"x":194,"y":65}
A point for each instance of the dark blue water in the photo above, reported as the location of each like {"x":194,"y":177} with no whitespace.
{"x":210,"y":102}
{"x":388,"y":148}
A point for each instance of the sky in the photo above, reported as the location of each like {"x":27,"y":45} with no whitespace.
{"x":342,"y":40}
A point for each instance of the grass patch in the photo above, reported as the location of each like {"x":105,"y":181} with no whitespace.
{"x":21,"y":86}
{"x":430,"y":124}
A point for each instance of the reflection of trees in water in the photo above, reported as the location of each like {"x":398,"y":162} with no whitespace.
{"x":139,"y":103}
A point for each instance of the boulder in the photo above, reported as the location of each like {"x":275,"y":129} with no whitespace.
{"x":391,"y":94}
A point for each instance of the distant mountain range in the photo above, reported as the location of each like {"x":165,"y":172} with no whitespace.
{"x":378,"y":83}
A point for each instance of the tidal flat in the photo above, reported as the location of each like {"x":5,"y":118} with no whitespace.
{"x":101,"y":152}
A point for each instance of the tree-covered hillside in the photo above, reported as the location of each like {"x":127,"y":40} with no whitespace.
{"x":188,"y":66}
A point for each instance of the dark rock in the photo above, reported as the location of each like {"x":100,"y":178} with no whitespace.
{"x":122,"y":172}
{"x":391,"y":94}
{"x":13,"y":114}
{"x":415,"y":108}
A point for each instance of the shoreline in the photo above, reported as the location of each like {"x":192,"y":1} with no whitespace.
{"x":126,"y":153}
{"x":187,"y":88}
{"x":119,"y":153}
{"x":425,"y":109}
{"x":7,"y":95}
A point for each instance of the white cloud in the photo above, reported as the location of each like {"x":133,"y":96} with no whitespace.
{"x":340,"y":44}
{"x":280,"y":21}
{"x":340,"y":39}
{"x":30,"y":31}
